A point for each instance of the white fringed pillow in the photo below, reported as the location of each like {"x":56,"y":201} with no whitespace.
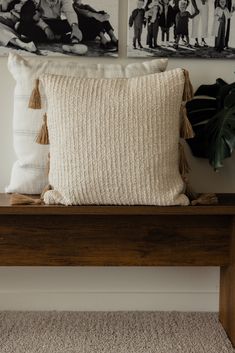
{"x":29,"y":172}
{"x":115,"y":141}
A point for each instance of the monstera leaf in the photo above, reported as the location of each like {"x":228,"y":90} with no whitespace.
{"x":219,"y":90}
{"x":211,"y":90}
{"x":200,"y":110}
{"x":212,"y":115}
{"x":220,"y":131}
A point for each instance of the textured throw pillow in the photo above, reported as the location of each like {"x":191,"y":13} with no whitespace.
{"x":115,"y":141}
{"x":29,"y":172}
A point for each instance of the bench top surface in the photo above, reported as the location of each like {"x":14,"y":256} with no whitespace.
{"x":226,"y":206}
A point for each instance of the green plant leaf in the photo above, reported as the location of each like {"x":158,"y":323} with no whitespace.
{"x":211,"y":90}
{"x":199,"y":111}
{"x":220,"y":132}
{"x":213,"y":120}
{"x":199,"y":142}
{"x":223,"y":93}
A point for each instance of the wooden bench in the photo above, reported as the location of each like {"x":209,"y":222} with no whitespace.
{"x":125,"y":236}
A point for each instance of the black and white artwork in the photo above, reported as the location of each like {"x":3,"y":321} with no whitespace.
{"x":59,"y":27}
{"x":181,"y":28}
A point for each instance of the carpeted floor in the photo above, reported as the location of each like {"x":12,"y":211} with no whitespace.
{"x":111,"y":332}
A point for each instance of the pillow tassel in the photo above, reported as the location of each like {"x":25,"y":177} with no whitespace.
{"x":188,"y":87}
{"x":47,"y":188}
{"x":43,"y":137}
{"x":184,"y":167}
{"x":205,"y":199}
{"x":35,"y":98}
{"x":189,"y":192}
{"x":186,"y":130}
{"x":19,"y":199}
{"x":199,"y":199}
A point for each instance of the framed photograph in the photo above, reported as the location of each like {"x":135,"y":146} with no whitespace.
{"x":181,"y":28}
{"x":59,"y":27}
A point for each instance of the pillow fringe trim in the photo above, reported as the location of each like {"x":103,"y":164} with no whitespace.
{"x":19,"y":199}
{"x":35,"y":98}
{"x":43,"y":136}
{"x":186,"y":130}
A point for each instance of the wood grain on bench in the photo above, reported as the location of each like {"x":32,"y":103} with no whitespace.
{"x":115,"y":235}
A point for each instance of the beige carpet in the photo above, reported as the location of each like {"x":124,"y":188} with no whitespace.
{"x":111,"y":332}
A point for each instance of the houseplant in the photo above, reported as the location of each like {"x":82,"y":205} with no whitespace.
{"x":212,"y":115}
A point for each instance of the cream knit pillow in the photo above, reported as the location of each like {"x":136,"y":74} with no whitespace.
{"x":115,"y":141}
{"x":29,"y":172}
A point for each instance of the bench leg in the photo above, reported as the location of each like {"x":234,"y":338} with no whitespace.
{"x":227,"y":291}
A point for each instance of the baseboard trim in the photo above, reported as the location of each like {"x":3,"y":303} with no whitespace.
{"x":110,"y":300}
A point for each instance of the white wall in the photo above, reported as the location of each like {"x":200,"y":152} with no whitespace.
{"x":115,"y":288}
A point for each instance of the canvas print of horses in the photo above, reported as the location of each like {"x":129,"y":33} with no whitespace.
{"x":59,"y":27}
{"x":181,"y":28}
